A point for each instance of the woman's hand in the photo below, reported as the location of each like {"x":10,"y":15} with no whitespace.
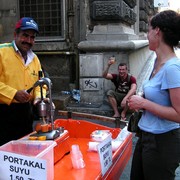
{"x":135,"y":102}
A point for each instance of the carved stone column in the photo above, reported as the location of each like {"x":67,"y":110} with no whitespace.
{"x":105,"y":10}
{"x":113,"y":18}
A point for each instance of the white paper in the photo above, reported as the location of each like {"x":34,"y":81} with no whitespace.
{"x":105,"y":154}
{"x":20,"y":167}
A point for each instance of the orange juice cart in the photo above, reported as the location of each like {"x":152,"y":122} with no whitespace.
{"x":79,"y":132}
{"x":60,"y":135}
{"x":57,"y":153}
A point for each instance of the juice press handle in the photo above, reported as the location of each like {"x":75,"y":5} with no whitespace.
{"x":46,"y":110}
{"x":43,"y":106}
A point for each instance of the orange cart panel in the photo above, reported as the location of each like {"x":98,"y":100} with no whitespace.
{"x":79,"y":133}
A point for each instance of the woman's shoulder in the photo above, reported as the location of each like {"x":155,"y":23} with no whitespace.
{"x":172,"y":64}
{"x":173,"y":61}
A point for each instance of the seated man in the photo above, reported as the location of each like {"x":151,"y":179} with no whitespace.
{"x":125,"y":87}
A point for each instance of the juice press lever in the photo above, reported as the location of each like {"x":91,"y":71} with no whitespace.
{"x":46,"y":111}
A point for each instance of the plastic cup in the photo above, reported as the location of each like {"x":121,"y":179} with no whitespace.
{"x":76,"y":157}
{"x":112,"y":59}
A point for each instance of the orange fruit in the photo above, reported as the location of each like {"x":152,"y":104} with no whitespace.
{"x":41,"y":138}
{"x":44,"y":128}
{"x":38,"y":127}
{"x":49,"y":127}
{"x":32,"y":137}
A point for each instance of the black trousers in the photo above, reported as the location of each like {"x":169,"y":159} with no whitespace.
{"x":15,"y":121}
{"x":156,"y":157}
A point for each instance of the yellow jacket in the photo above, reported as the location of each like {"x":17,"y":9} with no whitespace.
{"x":14,"y":75}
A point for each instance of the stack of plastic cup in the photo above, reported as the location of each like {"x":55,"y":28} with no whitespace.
{"x":77,"y":157}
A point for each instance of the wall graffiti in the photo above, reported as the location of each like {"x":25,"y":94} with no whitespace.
{"x":91,"y":84}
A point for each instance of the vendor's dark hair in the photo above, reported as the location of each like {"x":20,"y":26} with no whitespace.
{"x":169,"y":23}
{"x":18,"y":30}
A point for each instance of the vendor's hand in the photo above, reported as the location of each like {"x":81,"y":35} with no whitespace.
{"x":46,"y":100}
{"x":36,"y":101}
{"x":22,"y":96}
{"x":135,"y":102}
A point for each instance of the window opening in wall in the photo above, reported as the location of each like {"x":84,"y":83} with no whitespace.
{"x":48,"y":14}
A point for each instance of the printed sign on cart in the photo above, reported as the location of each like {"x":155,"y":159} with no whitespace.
{"x":105,"y":154}
{"x":19,"y":167}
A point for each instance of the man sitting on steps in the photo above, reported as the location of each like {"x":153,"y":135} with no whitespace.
{"x":125,"y":87}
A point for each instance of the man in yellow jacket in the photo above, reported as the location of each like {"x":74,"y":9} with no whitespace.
{"x":19,"y":68}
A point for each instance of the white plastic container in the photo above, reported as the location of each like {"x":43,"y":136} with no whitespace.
{"x":123,"y":134}
{"x":37,"y":149}
{"x":100,"y":135}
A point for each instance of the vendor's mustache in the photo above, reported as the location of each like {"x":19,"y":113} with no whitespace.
{"x":29,"y":44}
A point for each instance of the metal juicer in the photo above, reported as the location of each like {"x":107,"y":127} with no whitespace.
{"x":46,"y":110}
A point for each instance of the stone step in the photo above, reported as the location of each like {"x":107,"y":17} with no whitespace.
{"x":61,"y":101}
{"x":98,"y":109}
{"x":65,"y":103}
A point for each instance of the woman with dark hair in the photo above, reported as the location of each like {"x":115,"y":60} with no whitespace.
{"x":157,"y":152}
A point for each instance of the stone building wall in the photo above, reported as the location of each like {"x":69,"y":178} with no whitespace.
{"x":91,"y":28}
{"x":114,"y":31}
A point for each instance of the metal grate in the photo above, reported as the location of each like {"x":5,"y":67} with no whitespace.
{"x":47,"y":13}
